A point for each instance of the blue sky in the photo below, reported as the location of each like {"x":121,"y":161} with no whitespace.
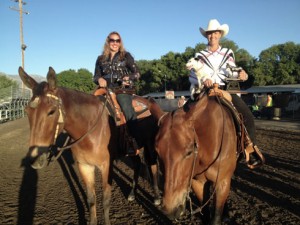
{"x":69,"y":34}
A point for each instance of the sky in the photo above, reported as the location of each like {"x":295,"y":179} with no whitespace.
{"x":67,"y":34}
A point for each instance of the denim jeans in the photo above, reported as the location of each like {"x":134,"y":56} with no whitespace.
{"x":125,"y":102}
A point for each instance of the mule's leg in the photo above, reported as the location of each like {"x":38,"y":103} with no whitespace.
{"x":222,"y":192}
{"x":106,"y":182}
{"x":88,"y":175}
{"x":201,"y":190}
{"x":157,"y":197}
{"x":136,"y":160}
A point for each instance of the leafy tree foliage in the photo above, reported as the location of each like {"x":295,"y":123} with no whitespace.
{"x":279,"y":64}
{"x":80,"y":80}
{"x":6,"y":82}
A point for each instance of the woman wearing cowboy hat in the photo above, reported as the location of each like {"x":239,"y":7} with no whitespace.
{"x":215,"y":61}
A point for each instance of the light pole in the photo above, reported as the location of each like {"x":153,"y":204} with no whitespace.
{"x":23,"y":46}
{"x":165,"y":83}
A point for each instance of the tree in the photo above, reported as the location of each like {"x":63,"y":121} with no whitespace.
{"x":175,"y":70}
{"x":7,"y":82}
{"x":80,"y":80}
{"x":278,"y":64}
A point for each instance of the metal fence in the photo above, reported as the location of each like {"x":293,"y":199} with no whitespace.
{"x":12,"y":103}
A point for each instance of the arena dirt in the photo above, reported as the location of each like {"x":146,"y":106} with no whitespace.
{"x":55,"y":194}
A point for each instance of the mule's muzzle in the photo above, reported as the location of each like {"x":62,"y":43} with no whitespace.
{"x":38,"y":157}
{"x":175,"y":213}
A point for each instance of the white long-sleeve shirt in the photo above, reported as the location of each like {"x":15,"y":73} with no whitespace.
{"x":215,"y":65}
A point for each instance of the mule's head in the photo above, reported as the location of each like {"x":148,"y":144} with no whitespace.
{"x":175,"y":145}
{"x":45,"y":117}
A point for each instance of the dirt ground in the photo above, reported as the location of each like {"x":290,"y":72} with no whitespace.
{"x":55,"y":195}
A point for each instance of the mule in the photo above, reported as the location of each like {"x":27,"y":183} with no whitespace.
{"x":85,"y":118}
{"x":197,"y":145}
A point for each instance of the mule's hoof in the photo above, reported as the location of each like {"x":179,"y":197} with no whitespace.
{"x":157,"y":201}
{"x":131,"y":198}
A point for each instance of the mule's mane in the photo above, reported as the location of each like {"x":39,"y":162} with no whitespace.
{"x":78,"y":97}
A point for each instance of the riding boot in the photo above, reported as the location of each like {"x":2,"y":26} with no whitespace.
{"x":132,"y":148}
{"x":254,"y":157}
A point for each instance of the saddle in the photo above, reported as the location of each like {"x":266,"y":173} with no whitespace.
{"x":244,"y":142}
{"x":110,"y":96}
{"x":127,"y":143}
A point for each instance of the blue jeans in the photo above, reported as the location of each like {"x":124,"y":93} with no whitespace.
{"x":125,"y":102}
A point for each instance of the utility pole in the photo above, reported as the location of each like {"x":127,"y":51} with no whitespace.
{"x":23,"y":46}
{"x":165,"y":83}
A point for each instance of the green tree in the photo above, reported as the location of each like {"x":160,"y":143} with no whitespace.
{"x":278,"y":64}
{"x":176,"y":71}
{"x":7,"y":82}
{"x":80,"y":80}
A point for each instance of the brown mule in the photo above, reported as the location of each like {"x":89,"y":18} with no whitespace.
{"x":53,"y":109}
{"x":196,"y":147}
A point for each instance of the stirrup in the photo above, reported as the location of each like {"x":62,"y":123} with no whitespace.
{"x":133,"y":148}
{"x":250,"y":149}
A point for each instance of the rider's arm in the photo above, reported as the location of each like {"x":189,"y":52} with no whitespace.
{"x":134,"y":73}
{"x":97,"y":73}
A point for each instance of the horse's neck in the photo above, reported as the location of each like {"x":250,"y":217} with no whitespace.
{"x":155,"y":109}
{"x":80,"y":111}
{"x":197,"y":109}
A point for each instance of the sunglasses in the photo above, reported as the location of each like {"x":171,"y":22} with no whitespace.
{"x":114,"y":40}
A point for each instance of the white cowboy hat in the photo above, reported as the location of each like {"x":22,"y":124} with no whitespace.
{"x":215,"y":25}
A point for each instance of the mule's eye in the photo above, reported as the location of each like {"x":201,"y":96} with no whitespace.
{"x":51,"y":112}
{"x":189,"y":150}
{"x":189,"y":153}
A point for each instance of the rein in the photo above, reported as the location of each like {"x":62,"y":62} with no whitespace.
{"x":193,"y":169}
{"x":61,"y":149}
{"x":199,"y":209}
{"x":160,"y":118}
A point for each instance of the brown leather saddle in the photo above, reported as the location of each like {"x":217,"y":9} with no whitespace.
{"x":245,"y":144}
{"x":127,"y":144}
{"x":114,"y":108}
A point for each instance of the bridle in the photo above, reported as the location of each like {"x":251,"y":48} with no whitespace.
{"x":61,"y":118}
{"x":196,"y":141}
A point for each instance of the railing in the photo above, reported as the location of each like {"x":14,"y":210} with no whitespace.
{"x":12,"y":103}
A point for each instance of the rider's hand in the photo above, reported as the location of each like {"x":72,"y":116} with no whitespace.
{"x":126,"y":81}
{"x":243,"y":75}
{"x":208,"y":83}
{"x":102,"y":82}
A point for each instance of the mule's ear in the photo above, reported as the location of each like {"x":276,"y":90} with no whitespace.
{"x":51,"y":78}
{"x":27,"y":80}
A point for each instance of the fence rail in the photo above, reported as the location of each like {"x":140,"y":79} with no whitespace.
{"x":12,"y":103}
